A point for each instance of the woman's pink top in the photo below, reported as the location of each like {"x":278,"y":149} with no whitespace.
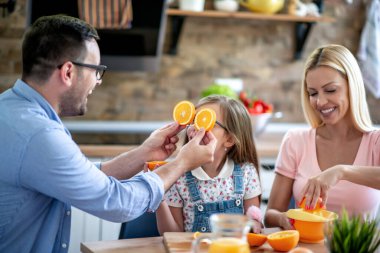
{"x":297,"y":159}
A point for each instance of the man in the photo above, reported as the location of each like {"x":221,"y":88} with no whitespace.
{"x":43,"y":172}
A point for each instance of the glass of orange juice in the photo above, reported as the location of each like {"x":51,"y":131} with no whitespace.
{"x":229,"y":234}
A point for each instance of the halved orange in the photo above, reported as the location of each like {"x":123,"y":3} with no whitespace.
{"x":284,"y":240}
{"x":256,"y":240}
{"x":184,"y":112}
{"x":155,"y":164}
{"x":205,"y":118}
{"x":318,"y":206}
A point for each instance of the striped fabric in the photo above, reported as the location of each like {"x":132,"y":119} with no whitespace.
{"x":106,"y":14}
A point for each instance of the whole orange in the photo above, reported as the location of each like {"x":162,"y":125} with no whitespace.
{"x":284,"y":240}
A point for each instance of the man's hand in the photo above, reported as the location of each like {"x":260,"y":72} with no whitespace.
{"x":162,"y":142}
{"x":319,"y":185}
{"x":198,"y":151}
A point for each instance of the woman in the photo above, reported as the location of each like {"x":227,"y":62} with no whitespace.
{"x":334,"y":104}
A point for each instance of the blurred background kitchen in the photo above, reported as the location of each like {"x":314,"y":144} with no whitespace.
{"x":263,"y":53}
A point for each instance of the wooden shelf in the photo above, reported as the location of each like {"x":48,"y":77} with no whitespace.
{"x":303,"y":25}
{"x":248,"y":15}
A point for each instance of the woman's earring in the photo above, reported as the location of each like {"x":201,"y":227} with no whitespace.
{"x":225,"y":149}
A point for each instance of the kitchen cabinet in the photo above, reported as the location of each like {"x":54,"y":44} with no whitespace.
{"x":303,"y":25}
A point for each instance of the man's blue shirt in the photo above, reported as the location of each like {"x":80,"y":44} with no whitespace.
{"x":43,"y":173}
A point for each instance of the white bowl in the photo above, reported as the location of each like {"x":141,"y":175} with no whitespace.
{"x":226,"y":5}
{"x":191,"y":5}
{"x":260,"y":121}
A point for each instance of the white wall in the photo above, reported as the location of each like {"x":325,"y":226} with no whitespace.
{"x":86,"y":227}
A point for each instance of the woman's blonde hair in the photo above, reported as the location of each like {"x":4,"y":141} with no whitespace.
{"x":341,"y":59}
{"x":238,"y":125}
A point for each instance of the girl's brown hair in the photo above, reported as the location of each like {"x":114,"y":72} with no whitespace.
{"x":238,"y":125}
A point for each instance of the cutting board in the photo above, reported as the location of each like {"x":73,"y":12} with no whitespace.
{"x":180,"y":242}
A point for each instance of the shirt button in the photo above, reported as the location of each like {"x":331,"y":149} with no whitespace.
{"x":200,"y":208}
{"x":64,"y":245}
{"x":203,"y":229}
{"x":68,"y":213}
{"x":238,"y":202}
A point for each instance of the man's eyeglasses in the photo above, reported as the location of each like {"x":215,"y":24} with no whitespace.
{"x":100,"y":69}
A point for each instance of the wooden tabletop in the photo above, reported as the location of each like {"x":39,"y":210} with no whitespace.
{"x":156,"y":245}
{"x":266,"y":149}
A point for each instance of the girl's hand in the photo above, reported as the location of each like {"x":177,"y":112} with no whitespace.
{"x":286,"y":223}
{"x":257,"y":226}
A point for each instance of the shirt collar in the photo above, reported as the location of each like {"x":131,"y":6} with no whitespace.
{"x":225,"y":172}
{"x":22,"y":89}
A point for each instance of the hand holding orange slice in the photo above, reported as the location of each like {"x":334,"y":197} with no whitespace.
{"x":184,"y":112}
{"x":205,"y":118}
{"x":284,"y":240}
{"x":256,"y":240}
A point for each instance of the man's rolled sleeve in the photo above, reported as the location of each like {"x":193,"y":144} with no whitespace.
{"x":156,"y":188}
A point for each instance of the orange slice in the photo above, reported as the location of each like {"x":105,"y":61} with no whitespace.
{"x":184,"y":112}
{"x":284,"y":240}
{"x":205,"y":118}
{"x":256,"y":240}
{"x":196,"y":234}
{"x":155,"y":164}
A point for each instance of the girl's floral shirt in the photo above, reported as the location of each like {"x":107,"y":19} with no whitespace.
{"x":214,"y":189}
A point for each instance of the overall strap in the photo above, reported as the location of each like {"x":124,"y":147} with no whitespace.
{"x":191,"y":182}
{"x":238,"y":179}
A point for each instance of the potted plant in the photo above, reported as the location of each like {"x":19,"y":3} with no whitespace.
{"x":353,"y":234}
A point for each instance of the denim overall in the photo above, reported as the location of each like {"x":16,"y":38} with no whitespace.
{"x":203,"y":211}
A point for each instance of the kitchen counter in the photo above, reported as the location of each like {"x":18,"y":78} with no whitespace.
{"x":267,"y":143}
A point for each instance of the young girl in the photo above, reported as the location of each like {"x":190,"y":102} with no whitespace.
{"x":230,"y":184}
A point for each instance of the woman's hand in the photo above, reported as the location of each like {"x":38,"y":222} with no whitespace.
{"x":319,"y":185}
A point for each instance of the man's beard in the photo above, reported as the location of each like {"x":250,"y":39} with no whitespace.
{"x":72,"y":104}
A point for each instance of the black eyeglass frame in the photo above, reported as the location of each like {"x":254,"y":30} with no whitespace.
{"x":100,"y":69}
{"x":221,"y":125}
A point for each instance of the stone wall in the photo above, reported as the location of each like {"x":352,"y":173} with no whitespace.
{"x":259,"y":52}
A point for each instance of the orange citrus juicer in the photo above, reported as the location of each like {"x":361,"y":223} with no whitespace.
{"x":283,"y":240}
{"x":205,"y":118}
{"x":184,"y":112}
{"x":155,"y":164}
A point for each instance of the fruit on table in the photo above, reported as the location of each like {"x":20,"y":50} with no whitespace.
{"x":184,"y":112}
{"x":256,"y":240}
{"x":255,"y":106}
{"x":284,"y":240}
{"x":196,"y":234}
{"x":205,"y":118}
